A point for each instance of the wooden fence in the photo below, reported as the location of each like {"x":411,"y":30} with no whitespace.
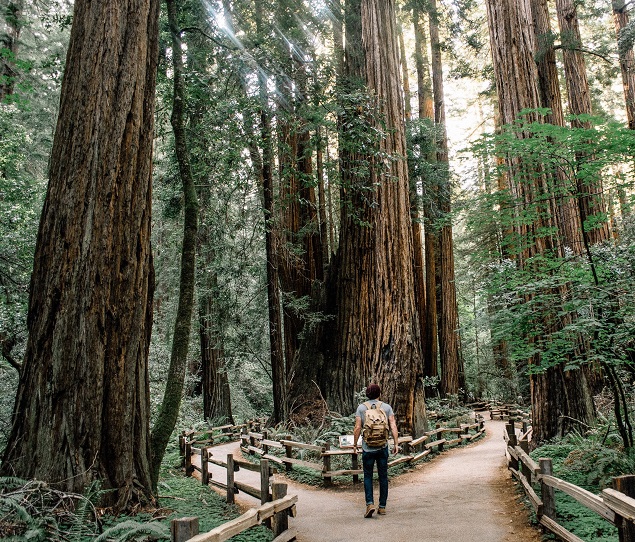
{"x":276,"y":513}
{"x":288,"y":452}
{"x":275,"y":505}
{"x":615,"y":505}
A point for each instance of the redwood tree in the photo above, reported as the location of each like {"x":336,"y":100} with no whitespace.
{"x":377,"y":321}
{"x":82,"y":408}
{"x":558,"y":396}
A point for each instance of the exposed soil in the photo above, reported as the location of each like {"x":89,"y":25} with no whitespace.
{"x":464,"y":495}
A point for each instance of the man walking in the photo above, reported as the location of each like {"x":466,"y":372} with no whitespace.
{"x":372,"y":420}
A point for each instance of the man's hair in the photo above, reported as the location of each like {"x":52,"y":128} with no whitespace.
{"x":373,"y":391}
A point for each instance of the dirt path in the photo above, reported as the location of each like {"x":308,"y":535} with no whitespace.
{"x":465,"y":495}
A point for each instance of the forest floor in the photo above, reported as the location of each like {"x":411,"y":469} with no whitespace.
{"x":464,"y":495}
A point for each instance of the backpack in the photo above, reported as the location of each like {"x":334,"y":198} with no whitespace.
{"x":375,"y":430}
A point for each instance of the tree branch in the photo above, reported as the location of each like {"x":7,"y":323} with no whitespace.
{"x":585,"y":51}
{"x":6,"y":345}
{"x":206,"y":35}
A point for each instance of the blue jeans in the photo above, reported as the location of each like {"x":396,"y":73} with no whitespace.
{"x":368,"y":461}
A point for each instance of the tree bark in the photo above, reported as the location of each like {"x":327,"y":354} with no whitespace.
{"x":82,"y":409}
{"x":265,"y":173}
{"x":377,"y":324}
{"x":556,"y":395}
{"x":589,"y":194}
{"x":627,"y":59}
{"x":550,"y":97}
{"x":452,"y":373}
{"x":169,"y":410}
{"x":429,"y":320}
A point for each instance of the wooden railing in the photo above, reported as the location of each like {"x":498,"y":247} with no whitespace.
{"x":614,"y":505}
{"x":275,"y":513}
{"x":290,"y":452}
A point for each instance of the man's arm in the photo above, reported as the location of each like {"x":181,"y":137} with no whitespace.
{"x":395,"y":433}
{"x":357,"y":432}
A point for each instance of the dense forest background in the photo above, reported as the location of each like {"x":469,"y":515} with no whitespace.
{"x":464,"y":234}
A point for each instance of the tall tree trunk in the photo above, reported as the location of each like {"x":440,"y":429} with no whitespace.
{"x":627,"y":59}
{"x":265,"y":174}
{"x":82,"y":409}
{"x":589,"y":193}
{"x":169,"y":410}
{"x":516,"y":75}
{"x":377,"y":325}
{"x":215,"y":381}
{"x":550,"y":97}
{"x":403,"y":57}
{"x":9,"y":42}
{"x":452,"y":373}
{"x":429,"y":321}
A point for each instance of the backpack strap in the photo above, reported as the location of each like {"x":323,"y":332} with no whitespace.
{"x":367,"y":405}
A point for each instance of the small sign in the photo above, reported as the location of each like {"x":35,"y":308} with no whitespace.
{"x":346,"y":441}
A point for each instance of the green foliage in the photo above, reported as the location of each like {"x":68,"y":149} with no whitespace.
{"x":585,"y":461}
{"x":129,"y":531}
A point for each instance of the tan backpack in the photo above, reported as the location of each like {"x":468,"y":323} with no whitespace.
{"x":375,"y":430}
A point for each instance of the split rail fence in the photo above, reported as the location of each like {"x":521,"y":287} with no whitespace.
{"x":616,"y":505}
{"x":275,"y":505}
{"x":290,"y":453}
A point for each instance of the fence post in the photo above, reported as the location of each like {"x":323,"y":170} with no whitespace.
{"x":183,"y":529}
{"x":264,"y":481}
{"x":288,"y":451}
{"x":265,"y":447}
{"x":280,"y":521}
{"x":327,"y":465}
{"x":204,"y":466}
{"x":187,"y":459}
{"x":513,"y":442}
{"x":182,"y":448}
{"x":439,"y":437}
{"x":230,"y":479}
{"x":626,"y":485}
{"x":524,"y":446}
{"x":547,"y":493}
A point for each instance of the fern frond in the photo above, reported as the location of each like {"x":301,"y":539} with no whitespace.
{"x":129,"y":530}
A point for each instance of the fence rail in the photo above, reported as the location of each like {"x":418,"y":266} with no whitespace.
{"x":614,"y":505}
{"x":276,"y":512}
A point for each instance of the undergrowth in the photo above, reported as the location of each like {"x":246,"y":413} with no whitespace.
{"x":588,"y":462}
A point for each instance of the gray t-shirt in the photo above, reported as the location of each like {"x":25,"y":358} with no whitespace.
{"x":361,"y":413}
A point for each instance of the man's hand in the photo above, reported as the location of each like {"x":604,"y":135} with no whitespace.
{"x":395,"y":449}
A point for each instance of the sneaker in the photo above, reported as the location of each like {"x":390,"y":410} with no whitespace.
{"x":370,"y":509}
{"x":381,"y":511}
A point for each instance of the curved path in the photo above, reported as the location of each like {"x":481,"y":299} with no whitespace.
{"x":464,"y":495}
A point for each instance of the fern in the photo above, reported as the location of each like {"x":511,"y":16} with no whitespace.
{"x":85,"y":516}
{"x":133,"y":530}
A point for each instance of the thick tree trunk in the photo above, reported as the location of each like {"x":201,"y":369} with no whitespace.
{"x":627,"y":60}
{"x":452,"y":373}
{"x":516,"y":75}
{"x":170,"y":405}
{"x":424,"y":83}
{"x":589,"y":194}
{"x":378,"y":329}
{"x":215,"y":381}
{"x":83,"y":407}
{"x":550,"y":97}
{"x":428,"y":322}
